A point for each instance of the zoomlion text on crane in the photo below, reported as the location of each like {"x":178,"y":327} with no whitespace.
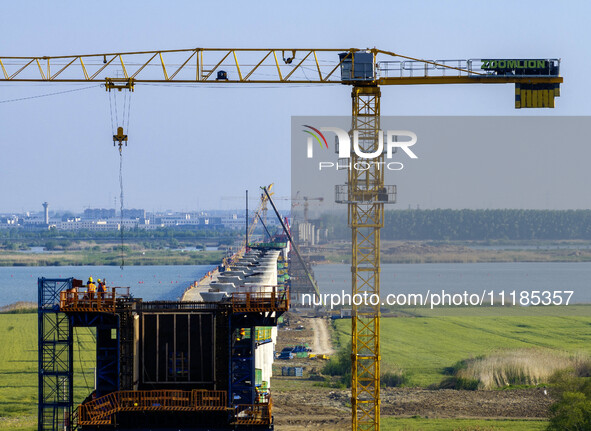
{"x":392,"y":143}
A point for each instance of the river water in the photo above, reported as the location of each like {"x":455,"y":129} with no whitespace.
{"x":169,"y":282}
{"x":148,"y":282}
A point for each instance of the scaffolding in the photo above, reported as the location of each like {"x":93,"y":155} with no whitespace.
{"x":56,"y":391}
{"x":244,"y":302}
{"x":101,"y":411}
{"x":61,"y":308}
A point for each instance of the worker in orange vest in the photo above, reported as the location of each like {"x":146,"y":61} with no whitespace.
{"x":100,"y":288}
{"x":90,"y":288}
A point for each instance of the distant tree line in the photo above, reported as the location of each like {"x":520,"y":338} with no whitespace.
{"x":465,"y":225}
{"x":53,"y":239}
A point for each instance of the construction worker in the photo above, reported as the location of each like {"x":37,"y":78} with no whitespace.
{"x":90,"y":288}
{"x":71,"y":294}
{"x":100,"y":289}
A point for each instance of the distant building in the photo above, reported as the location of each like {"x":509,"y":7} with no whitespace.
{"x":134,"y":213}
{"x":210,"y":222}
{"x":89,"y":225}
{"x":98,"y":213}
{"x":176,"y":219}
{"x":9,"y":222}
{"x":109,"y":219}
{"x":34,"y":220}
{"x":233,"y":221}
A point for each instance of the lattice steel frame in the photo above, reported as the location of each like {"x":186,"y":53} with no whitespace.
{"x":55,"y":356}
{"x":366,"y":218}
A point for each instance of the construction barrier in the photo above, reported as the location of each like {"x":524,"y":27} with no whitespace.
{"x":253,"y":414}
{"x":292,"y":371}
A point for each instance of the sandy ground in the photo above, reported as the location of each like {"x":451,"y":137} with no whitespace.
{"x":329,"y":409}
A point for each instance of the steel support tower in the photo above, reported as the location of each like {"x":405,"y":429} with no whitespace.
{"x":366,"y":218}
{"x":55,"y":356}
{"x":365,"y":195}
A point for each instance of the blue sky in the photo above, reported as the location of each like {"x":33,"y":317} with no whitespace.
{"x":190,"y":146}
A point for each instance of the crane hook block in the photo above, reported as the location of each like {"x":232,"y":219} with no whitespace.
{"x":120,"y":137}
{"x":119,"y":84}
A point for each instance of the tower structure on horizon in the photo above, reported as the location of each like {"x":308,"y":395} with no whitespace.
{"x":46,"y":210}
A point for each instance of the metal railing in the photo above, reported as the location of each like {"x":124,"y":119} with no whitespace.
{"x":263,"y":334}
{"x":101,"y":410}
{"x":79,"y":299}
{"x":365,"y":195}
{"x":411,"y":68}
{"x":546,"y":67}
{"x":260,"y":301}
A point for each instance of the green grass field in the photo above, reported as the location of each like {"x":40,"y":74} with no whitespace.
{"x":18,"y":369}
{"x":422,"y":424}
{"x":423,"y":345}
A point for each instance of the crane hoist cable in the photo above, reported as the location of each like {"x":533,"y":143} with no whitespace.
{"x":20,"y":99}
{"x":121,"y":207}
{"x":120,"y":138}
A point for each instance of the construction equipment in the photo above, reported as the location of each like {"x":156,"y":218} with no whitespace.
{"x":306,"y":205}
{"x":537,"y":83}
{"x":293,"y":245}
{"x":306,"y":200}
{"x":257,"y":215}
{"x":305,"y":229}
{"x":260,"y":213}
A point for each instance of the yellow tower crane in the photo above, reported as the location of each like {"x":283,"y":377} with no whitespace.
{"x":259,"y":214}
{"x":307,"y":205}
{"x":537,"y":83}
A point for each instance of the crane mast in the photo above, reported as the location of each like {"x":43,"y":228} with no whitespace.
{"x":537,"y":83}
{"x":366,"y":218}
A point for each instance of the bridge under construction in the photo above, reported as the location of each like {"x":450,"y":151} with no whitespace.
{"x":203,"y":363}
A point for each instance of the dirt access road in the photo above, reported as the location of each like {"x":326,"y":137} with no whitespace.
{"x":321,"y":343}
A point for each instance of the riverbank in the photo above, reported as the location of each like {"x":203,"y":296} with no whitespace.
{"x":399,"y":252}
{"x":430,"y":252}
{"x":111,"y":258}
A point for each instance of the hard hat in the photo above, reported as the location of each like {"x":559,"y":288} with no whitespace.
{"x":99,"y":280}
{"x":90,"y":279}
